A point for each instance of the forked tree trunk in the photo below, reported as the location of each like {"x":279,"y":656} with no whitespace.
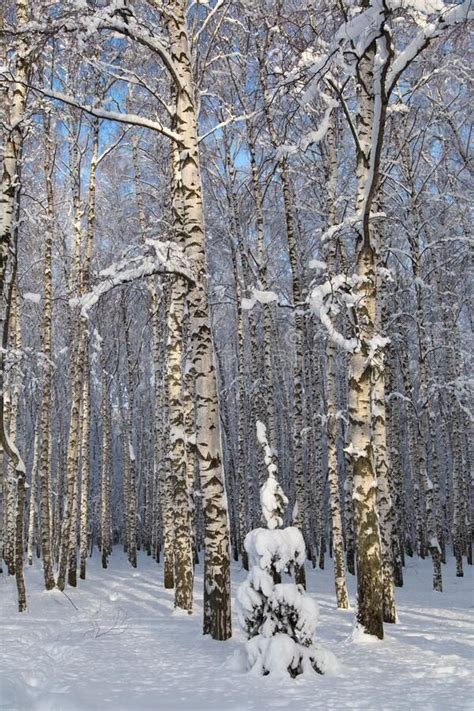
{"x":370,"y":124}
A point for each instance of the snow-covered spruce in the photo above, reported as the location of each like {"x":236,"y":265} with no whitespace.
{"x":279,"y":618}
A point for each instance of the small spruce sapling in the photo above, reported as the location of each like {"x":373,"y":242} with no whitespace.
{"x":278,"y":618}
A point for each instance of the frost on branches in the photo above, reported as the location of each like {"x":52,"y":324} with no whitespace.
{"x":279,"y":618}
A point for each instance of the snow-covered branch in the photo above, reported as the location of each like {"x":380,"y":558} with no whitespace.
{"x":450,"y":15}
{"x":262,"y":297}
{"x":226,"y":122}
{"x":155,"y":258}
{"x":321,"y":302}
{"x":98,"y":112}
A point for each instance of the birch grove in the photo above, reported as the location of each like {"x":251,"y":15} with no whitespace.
{"x":219,"y":219}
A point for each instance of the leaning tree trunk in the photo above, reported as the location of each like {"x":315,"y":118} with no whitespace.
{"x":10,"y":184}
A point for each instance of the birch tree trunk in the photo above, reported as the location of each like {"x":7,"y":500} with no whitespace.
{"x":369,"y":564}
{"x":178,"y":482}
{"x":78,"y":346}
{"x":11,"y":416}
{"x":86,"y":420}
{"x":129,"y":453}
{"x":18,"y":479}
{"x":85,"y":471}
{"x":297,"y":294}
{"x":217,"y":621}
{"x":244,"y":473}
{"x":397,"y":479}
{"x":106,"y":473}
{"x":10,"y":184}
{"x":370,"y":121}
{"x":13,"y":105}
{"x":32,"y":508}
{"x":331,"y":393}
{"x":383,"y":470}
{"x":46,"y":347}
{"x":163,"y":431}
{"x":424,"y":405}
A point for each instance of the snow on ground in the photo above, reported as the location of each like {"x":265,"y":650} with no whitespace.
{"x":115,"y":644}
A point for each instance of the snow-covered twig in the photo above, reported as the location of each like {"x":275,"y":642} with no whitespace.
{"x":98,"y":112}
{"x":451,"y":15}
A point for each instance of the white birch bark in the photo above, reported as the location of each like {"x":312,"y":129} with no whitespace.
{"x":370,"y":121}
{"x":106,"y":473}
{"x":32,"y":504}
{"x":129,"y":452}
{"x":217,"y":620}
{"x":85,"y":415}
{"x":68,"y":552}
{"x":46,"y":347}
{"x":383,"y":469}
{"x":13,"y":104}
{"x":301,"y":503}
{"x":331,"y":394}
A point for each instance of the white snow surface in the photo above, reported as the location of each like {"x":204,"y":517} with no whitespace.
{"x":123,"y":649}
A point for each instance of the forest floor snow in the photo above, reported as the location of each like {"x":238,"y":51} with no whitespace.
{"x":116,"y":644}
